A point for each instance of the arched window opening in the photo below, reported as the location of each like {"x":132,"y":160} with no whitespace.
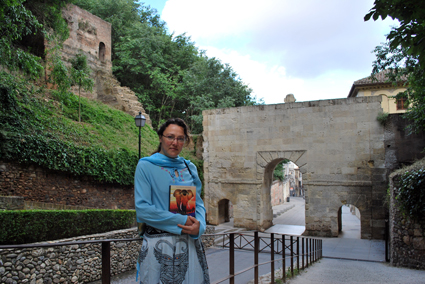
{"x":102,"y":50}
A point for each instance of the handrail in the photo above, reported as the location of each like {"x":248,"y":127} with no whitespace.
{"x":313,"y":252}
{"x":310,"y":254}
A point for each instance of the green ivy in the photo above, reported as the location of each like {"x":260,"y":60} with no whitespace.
{"x":410,"y":194}
{"x":382,"y":118}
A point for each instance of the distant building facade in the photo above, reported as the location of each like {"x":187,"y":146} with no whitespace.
{"x":380,"y":87}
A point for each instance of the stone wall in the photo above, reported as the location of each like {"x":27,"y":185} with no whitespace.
{"x":407,"y":238}
{"x":278,"y":196}
{"x":79,"y":263}
{"x":338,"y":145}
{"x":11,"y":203}
{"x":18,"y":203}
{"x":41,"y":185}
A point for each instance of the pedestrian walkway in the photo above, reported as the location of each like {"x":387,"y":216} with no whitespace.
{"x":290,"y":219}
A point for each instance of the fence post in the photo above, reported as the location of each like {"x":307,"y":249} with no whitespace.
{"x":306,"y":252}
{"x":387,"y":243}
{"x":232,"y":257}
{"x":302,"y":253}
{"x":283,"y":259}
{"x":298,"y":254}
{"x":311,"y":252}
{"x":106,"y":262}
{"x":256,"y":249}
{"x":272,"y":257}
{"x":292,"y":255}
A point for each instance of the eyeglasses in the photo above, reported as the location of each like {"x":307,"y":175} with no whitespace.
{"x":171,"y":139}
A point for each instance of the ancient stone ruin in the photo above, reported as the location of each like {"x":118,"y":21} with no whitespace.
{"x":91,"y":36}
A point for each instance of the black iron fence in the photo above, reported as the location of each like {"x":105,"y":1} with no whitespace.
{"x":298,"y":251}
{"x":285,"y":245}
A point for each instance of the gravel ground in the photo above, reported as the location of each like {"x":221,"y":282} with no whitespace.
{"x":331,"y":271}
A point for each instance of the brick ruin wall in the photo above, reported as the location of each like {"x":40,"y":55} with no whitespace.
{"x":47,"y":186}
{"x":91,"y":36}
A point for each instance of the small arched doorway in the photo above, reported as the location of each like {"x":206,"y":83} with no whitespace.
{"x":225,"y":210}
{"x":102,"y":50}
{"x":349,"y":222}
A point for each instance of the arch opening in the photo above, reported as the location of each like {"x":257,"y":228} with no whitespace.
{"x":225,"y":211}
{"x":102,"y":51}
{"x":286,"y":192}
{"x":349,"y":225}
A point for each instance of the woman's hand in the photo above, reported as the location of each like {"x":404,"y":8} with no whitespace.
{"x":191,"y":227}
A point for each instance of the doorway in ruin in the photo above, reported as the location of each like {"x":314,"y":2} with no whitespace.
{"x":225,"y":211}
{"x":102,"y":50}
{"x":349,"y":225}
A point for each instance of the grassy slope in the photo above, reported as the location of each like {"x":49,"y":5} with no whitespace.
{"x":46,"y":112}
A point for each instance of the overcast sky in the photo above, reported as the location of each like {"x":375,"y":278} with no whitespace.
{"x":314,"y":49}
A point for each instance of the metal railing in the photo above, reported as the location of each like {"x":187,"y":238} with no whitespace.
{"x":311,"y":251}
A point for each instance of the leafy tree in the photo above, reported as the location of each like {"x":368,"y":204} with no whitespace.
{"x":403,"y":55}
{"x":209,"y":84}
{"x":169,"y":75}
{"x":80,"y":76}
{"x":278,"y":171}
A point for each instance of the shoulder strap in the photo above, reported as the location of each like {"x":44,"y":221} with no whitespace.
{"x":187,"y":167}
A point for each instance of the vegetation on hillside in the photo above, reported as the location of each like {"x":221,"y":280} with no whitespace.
{"x":41,"y":126}
{"x":167,"y":72}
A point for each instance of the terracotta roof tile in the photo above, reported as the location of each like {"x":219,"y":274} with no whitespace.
{"x":380,"y":78}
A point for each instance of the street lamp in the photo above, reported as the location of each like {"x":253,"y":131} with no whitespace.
{"x":140,"y":122}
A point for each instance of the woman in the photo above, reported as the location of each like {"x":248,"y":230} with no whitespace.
{"x":172,"y":250}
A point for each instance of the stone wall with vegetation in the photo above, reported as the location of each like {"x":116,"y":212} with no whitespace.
{"x":40,"y":185}
{"x":407,"y":235}
{"x":79,"y":263}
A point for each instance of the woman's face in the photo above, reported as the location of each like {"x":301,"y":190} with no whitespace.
{"x":172,"y":141}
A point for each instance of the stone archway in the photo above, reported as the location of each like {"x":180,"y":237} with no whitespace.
{"x":266,"y":162}
{"x":338,"y":144}
{"x":351,"y":221}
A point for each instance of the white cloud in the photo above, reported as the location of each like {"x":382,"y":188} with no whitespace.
{"x":313,"y":49}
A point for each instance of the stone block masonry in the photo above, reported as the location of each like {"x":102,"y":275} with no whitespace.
{"x":338,"y":145}
{"x":79,"y":263}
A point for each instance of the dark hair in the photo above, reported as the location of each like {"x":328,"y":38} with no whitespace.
{"x":177,"y":121}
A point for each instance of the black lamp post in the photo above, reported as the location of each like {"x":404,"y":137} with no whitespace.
{"x":140,"y":122}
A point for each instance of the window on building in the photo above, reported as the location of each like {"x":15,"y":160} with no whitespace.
{"x":401,"y":103}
